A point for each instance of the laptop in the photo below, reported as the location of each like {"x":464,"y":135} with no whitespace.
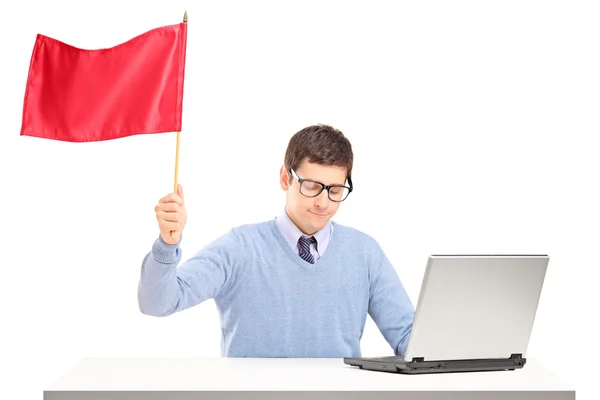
{"x":474,"y":313}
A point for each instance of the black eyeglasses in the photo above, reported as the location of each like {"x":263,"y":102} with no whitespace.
{"x":310,"y":188}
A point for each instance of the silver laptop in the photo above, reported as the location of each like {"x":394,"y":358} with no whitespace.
{"x":474,"y":313}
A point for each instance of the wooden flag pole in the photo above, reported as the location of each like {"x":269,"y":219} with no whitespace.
{"x":185,"y":18}
{"x":176,"y":162}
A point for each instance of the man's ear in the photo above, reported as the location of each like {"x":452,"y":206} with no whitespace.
{"x":284,"y":178}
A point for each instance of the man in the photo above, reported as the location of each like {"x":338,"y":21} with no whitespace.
{"x":299,"y":285}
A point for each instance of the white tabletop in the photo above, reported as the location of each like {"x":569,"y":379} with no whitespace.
{"x":289,"y":375}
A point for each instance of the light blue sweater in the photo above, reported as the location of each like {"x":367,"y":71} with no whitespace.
{"x":272,"y":303}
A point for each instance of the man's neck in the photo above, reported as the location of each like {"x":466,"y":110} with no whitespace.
{"x":297,"y":224}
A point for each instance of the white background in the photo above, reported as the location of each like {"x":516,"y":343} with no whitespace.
{"x":474,"y":126}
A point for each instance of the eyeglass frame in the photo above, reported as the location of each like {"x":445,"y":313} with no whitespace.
{"x":323,"y":186}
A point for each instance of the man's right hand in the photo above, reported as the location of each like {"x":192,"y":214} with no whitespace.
{"x":171,"y":216}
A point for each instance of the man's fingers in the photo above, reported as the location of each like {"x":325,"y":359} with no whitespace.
{"x":172,"y":198}
{"x":170,"y":212}
{"x":170,"y":216}
{"x":169,"y":207}
{"x":170,"y":226}
{"x":166,"y":199}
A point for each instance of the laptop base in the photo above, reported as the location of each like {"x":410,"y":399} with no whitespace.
{"x":419,"y":366}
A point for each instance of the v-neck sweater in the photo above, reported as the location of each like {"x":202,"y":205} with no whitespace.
{"x":272,"y":303}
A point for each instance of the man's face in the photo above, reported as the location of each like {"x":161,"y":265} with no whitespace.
{"x":311,"y":214}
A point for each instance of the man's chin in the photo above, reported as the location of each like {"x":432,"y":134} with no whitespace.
{"x":310,"y":229}
{"x":317,"y":227}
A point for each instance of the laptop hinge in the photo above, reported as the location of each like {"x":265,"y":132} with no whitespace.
{"x":418,"y":359}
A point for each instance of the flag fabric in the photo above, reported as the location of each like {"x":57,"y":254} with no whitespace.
{"x":80,"y":95}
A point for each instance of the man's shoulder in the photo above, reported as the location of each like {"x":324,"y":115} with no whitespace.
{"x":240,"y":236}
{"x":252,"y":229}
{"x":353,"y":234}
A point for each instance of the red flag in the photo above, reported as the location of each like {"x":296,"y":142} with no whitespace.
{"x":79,"y":95}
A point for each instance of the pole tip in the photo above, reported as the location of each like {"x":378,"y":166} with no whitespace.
{"x":185,"y":17}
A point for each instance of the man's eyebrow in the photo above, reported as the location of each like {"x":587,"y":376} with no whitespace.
{"x":331,"y":184}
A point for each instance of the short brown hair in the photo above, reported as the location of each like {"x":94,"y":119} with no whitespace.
{"x":322,"y":144}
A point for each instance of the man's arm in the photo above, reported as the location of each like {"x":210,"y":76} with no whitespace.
{"x":164,"y":288}
{"x":389,"y":304}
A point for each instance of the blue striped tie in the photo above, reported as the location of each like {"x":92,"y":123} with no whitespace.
{"x":304,"y":248}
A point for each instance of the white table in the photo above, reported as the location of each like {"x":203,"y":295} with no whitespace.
{"x":314,"y":379}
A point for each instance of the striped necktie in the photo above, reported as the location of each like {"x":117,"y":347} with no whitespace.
{"x":304,"y":248}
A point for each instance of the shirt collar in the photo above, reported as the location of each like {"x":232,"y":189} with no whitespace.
{"x":292,"y":233}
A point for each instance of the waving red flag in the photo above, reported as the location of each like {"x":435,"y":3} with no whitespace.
{"x":79,"y":95}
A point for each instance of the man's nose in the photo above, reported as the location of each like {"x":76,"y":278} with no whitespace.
{"x":322,"y":200}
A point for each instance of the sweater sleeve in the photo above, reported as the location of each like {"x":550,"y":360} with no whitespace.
{"x":164,"y":288}
{"x":389,"y":304}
